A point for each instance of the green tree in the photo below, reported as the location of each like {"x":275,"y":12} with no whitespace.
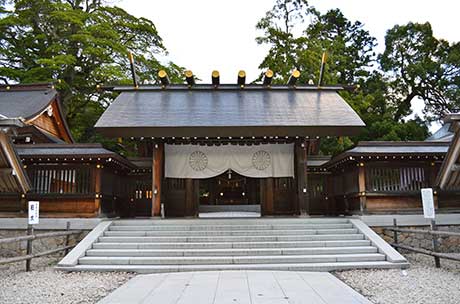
{"x":421,"y":66}
{"x":80,"y":44}
{"x":280,"y":29}
{"x":349,"y":46}
{"x":352,"y":60}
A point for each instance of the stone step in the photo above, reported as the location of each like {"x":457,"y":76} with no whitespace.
{"x":226,"y":227}
{"x":225,"y":233}
{"x":290,"y":267}
{"x":232,"y":221}
{"x":229,"y":252}
{"x":218,"y":260}
{"x":224,"y":245}
{"x":214,"y":239}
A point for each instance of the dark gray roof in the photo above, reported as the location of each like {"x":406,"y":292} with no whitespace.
{"x":229,"y":112}
{"x":69,"y":151}
{"x":26,"y":103}
{"x":61,"y":149}
{"x":400,"y":148}
{"x":442,"y":134}
{"x":393,"y":148}
{"x":317,"y":160}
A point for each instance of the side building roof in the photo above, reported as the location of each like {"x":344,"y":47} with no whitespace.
{"x":71,"y":152}
{"x":391,"y":150}
{"x":27,"y":102}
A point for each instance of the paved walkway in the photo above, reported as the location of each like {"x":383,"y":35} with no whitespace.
{"x":230,"y":214}
{"x":249,"y":287}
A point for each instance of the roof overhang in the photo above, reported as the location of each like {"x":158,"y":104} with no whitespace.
{"x":254,"y":111}
{"x":391,"y":150}
{"x":229,"y":131}
{"x":46,"y":153}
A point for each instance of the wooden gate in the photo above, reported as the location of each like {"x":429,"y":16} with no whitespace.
{"x":278,"y":196}
{"x":181,"y":197}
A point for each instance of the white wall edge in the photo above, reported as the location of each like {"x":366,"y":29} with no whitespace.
{"x":386,"y":220}
{"x":51,"y":223}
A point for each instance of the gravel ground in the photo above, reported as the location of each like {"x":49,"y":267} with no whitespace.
{"x":45,"y":285}
{"x":422,"y":283}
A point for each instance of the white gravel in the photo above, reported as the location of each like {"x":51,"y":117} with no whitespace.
{"x":421,"y":283}
{"x":45,"y":285}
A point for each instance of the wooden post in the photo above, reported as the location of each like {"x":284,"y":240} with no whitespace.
{"x":30,"y":231}
{"x":67,"y":238}
{"x":433,"y":227}
{"x":269,"y":196}
{"x":23,"y":202}
{"x":97,"y":189}
{"x":433,"y":172}
{"x":301,"y":151}
{"x":189,"y":197}
{"x":157,"y":177}
{"x":395,"y":233}
{"x":362,"y":187}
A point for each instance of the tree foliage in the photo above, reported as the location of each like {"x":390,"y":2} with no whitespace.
{"x":351,"y":60}
{"x":420,"y":66}
{"x":279,"y":27}
{"x":80,"y":44}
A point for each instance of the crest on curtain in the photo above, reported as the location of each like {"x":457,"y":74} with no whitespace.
{"x":259,"y":161}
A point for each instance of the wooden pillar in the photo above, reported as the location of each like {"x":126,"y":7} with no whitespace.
{"x":24,"y":205}
{"x":98,"y":188}
{"x":301,"y":152}
{"x":362,"y":187}
{"x":267,"y":192}
{"x":191,"y":197}
{"x":157,"y":177}
{"x":433,"y":172}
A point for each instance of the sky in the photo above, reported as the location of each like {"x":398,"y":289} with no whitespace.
{"x":207,"y":35}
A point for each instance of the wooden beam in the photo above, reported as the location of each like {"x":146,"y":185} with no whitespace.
{"x":6,"y":171}
{"x":157,"y":177}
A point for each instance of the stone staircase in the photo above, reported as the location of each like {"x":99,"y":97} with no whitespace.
{"x":301,"y":244}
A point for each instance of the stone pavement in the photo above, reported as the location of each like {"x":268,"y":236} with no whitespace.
{"x":229,"y":214}
{"x":249,"y":287}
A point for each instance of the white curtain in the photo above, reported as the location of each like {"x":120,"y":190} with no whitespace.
{"x":195,"y":161}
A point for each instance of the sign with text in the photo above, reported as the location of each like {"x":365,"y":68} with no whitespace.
{"x":428,"y":203}
{"x":33,"y":212}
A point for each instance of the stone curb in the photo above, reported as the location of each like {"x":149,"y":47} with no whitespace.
{"x":391,"y":254}
{"x":79,"y":251}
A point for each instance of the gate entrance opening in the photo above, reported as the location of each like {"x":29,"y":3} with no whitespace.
{"x":230,"y":192}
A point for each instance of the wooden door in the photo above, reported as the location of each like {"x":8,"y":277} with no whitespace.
{"x":284,"y":195}
{"x":181,"y":197}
